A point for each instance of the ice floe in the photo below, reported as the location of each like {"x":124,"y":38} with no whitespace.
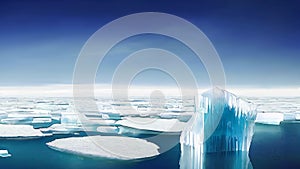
{"x":4,"y":153}
{"x":19,"y":131}
{"x":269,"y":118}
{"x":102,"y":122}
{"x":69,"y":118}
{"x":289,"y":116}
{"x":114,"y":147}
{"x":62,"y":129}
{"x":153,"y":124}
{"x":26,"y":118}
{"x":108,"y":129}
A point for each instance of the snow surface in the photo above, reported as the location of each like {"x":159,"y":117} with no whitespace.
{"x":153,"y":124}
{"x":269,"y":118}
{"x":62,"y":129}
{"x":102,"y":122}
{"x":107,"y":129}
{"x":289,"y":116}
{"x":114,"y":147}
{"x":19,"y":131}
{"x":4,"y":153}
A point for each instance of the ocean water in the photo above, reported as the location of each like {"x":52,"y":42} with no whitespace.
{"x":273,"y":147}
{"x":276,"y":147}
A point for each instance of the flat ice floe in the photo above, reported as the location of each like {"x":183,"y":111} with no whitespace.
{"x":62,"y":129}
{"x":4,"y":153}
{"x":269,"y":118}
{"x":19,"y":131}
{"x":114,"y":147}
{"x":153,"y":124}
{"x":107,"y":129}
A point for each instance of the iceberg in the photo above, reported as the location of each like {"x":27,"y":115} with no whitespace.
{"x":232,"y":118}
{"x":191,"y":141}
{"x":222,"y":122}
{"x":19,"y":131}
{"x":113,"y":147}
{"x":4,"y":153}
{"x":269,"y":118}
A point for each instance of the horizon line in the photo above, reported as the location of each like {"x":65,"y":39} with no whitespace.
{"x":66,"y":90}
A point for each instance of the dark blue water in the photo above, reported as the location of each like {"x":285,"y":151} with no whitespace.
{"x":276,"y":147}
{"x":273,"y":147}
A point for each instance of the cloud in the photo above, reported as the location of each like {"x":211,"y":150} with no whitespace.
{"x":104,"y":90}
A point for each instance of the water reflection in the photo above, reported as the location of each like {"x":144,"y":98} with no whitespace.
{"x":192,"y":158}
{"x":227,"y":160}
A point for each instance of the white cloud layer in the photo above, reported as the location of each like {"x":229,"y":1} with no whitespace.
{"x":105,"y":91}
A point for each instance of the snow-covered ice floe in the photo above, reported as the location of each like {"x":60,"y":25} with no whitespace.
{"x":289,"y":116}
{"x":297,"y":116}
{"x":26,"y":118}
{"x":108,"y":129}
{"x":19,"y":131}
{"x":102,"y":122}
{"x":62,"y":129}
{"x":183,"y":117}
{"x":153,"y":124}
{"x":269,"y":118}
{"x":91,"y":126}
{"x":3,"y":114}
{"x":69,"y":118}
{"x":114,"y":147}
{"x":4,"y":153}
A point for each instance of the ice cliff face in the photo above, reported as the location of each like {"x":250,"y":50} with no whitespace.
{"x":222,"y":123}
{"x":229,"y":121}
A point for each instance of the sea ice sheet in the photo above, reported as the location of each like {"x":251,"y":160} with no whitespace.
{"x":19,"y":131}
{"x":114,"y":147}
{"x":4,"y":153}
{"x":269,"y":118}
{"x":153,"y":124}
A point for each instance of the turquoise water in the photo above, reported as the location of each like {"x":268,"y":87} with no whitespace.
{"x":273,"y":147}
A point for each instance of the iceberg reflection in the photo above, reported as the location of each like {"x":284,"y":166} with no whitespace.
{"x":227,"y":160}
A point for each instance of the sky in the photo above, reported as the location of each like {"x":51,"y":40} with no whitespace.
{"x":257,"y":41}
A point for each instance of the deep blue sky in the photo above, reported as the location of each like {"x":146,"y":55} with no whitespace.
{"x":258,"y":41}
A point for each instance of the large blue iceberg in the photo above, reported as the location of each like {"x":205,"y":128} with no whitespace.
{"x":222,"y":123}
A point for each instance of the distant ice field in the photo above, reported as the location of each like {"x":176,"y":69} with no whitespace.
{"x":30,"y":117}
{"x":46,"y":111}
